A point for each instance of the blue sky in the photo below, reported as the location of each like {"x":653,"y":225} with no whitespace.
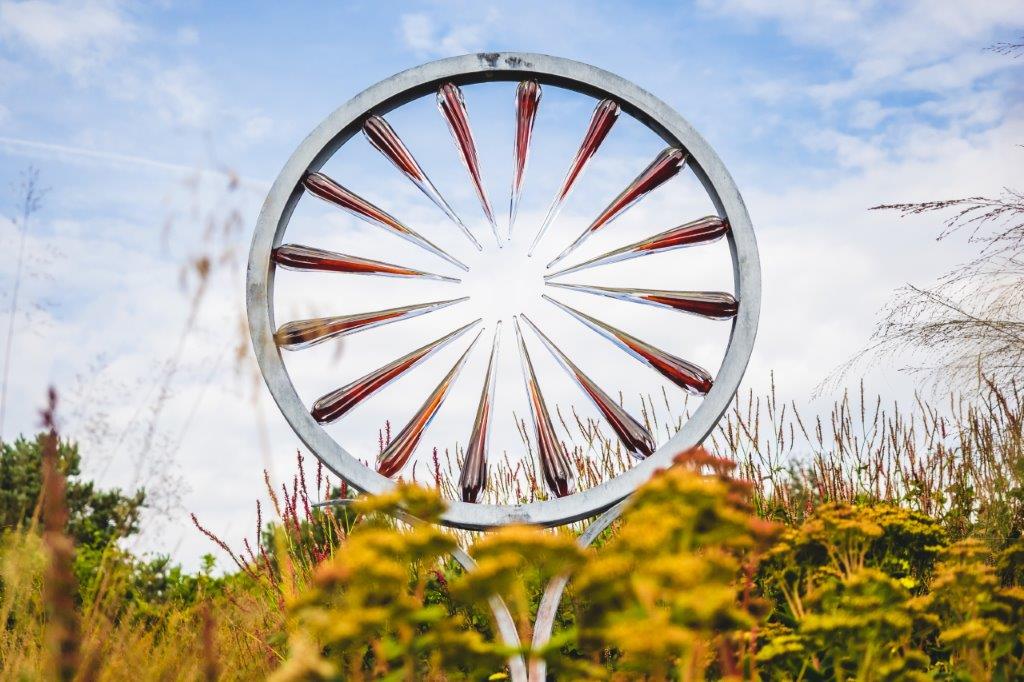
{"x":134,"y":114}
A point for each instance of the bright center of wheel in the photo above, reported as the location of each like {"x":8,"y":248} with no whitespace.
{"x":503,"y":282}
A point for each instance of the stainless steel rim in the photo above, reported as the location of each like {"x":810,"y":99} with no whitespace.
{"x":403,"y":87}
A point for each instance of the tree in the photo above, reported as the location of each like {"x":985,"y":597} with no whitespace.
{"x":97,"y":517}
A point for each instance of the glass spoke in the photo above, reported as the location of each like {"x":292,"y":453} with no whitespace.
{"x":308,"y":259}
{"x":682,"y":373}
{"x":700,"y":231}
{"x":633,"y":435}
{"x":453,"y":107}
{"x":305,"y":333}
{"x":554,"y":460}
{"x":399,"y":450}
{"x":665,"y":166}
{"x":336,"y":403}
{"x":527,"y":100}
{"x":601,"y":122}
{"x":384,"y":139}
{"x":474,"y":469}
{"x":331,"y":192}
{"x":716,"y":305}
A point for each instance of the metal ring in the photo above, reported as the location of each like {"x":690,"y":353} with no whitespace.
{"x":381,"y":98}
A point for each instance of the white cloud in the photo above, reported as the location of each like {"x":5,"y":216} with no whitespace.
{"x":828,"y":263}
{"x":868,"y":113}
{"x":188,"y":35}
{"x":423,"y":35}
{"x":417,"y":31}
{"x":177,"y":95}
{"x":256,"y":127}
{"x":74,"y":36}
{"x":932,"y":45}
{"x":850,"y":151}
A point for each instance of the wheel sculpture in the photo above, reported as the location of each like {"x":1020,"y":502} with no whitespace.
{"x":543,"y":242}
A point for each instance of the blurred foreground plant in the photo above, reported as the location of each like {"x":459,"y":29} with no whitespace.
{"x":369,"y":613}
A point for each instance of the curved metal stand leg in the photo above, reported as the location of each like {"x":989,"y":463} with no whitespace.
{"x":503,"y":620}
{"x":553,"y":594}
{"x":502,"y":616}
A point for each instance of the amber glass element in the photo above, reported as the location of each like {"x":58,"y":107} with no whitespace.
{"x":330,"y":191}
{"x":554,"y":461}
{"x":682,"y":373}
{"x":716,"y":305}
{"x":306,"y":333}
{"x":605,"y":115}
{"x":474,"y":469}
{"x":306,"y":258}
{"x":632,"y":433}
{"x":453,"y":108}
{"x":665,"y":166}
{"x":527,"y":100}
{"x":398,"y":452}
{"x":336,"y":403}
{"x":700,"y":231}
{"x":383,"y":137}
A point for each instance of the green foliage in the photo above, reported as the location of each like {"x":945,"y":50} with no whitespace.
{"x":666,"y":593}
{"x":689,"y":584}
{"x":97,"y":517}
{"x":367,"y":613}
{"x":873,"y":592}
{"x":978,"y":623}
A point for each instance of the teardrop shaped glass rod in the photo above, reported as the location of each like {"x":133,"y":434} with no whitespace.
{"x":715,"y":305}
{"x":473,"y":478}
{"x":383,"y":138}
{"x":305,"y":333}
{"x":338,"y":402}
{"x":665,"y":166}
{"x":309,"y":259}
{"x":605,"y":114}
{"x":330,"y":191}
{"x":554,"y":461}
{"x":399,"y":450}
{"x":453,"y":107}
{"x":682,"y":373}
{"x":701,"y":231}
{"x":637,"y":439}
{"x":527,"y":101}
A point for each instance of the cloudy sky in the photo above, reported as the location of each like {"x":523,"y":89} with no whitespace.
{"x":156,"y":131}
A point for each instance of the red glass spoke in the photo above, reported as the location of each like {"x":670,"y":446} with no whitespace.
{"x":474,"y":469}
{"x":682,"y":373}
{"x":716,"y":305}
{"x":633,"y":435}
{"x":554,"y":460}
{"x":700,"y":231}
{"x":398,"y":452}
{"x":384,"y":139}
{"x":453,"y":107}
{"x":527,"y":100}
{"x":305,"y":333}
{"x":308,"y":259}
{"x":604,"y":117}
{"x":336,"y":403}
{"x":665,"y":166}
{"x":330,"y":191}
